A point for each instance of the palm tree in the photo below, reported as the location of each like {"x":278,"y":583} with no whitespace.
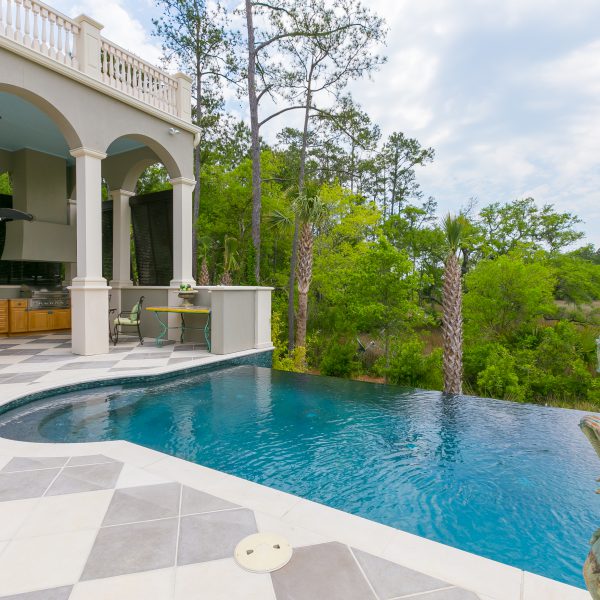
{"x":229,"y":259}
{"x":311,"y":212}
{"x":204,"y":276}
{"x":452,"y":324}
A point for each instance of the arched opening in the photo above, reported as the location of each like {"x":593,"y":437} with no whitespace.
{"x":137,"y":216}
{"x":37,"y":174}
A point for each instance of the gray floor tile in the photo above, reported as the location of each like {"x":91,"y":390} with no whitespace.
{"x":390,"y":580}
{"x":89,"y":364}
{"x":212,"y":536}
{"x":119,"y":349}
{"x":193,"y":501}
{"x":25,"y":377}
{"x":61,"y":593}
{"x":132,"y":548}
{"x":92,"y":459}
{"x":64,"y":345}
{"x":143,"y":503}
{"x":86,"y":478}
{"x":321,"y":571}
{"x":27,"y":463}
{"x":142,"y":355}
{"x":184,"y":347}
{"x":27,"y":484}
{"x":20,"y":350}
{"x":448,"y":594}
{"x":42,"y":358}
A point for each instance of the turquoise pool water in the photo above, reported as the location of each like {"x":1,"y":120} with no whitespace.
{"x":508,"y":481}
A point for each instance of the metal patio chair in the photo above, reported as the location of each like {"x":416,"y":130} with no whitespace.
{"x":128,"y":318}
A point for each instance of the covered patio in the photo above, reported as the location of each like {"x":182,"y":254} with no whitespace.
{"x":81,"y":119}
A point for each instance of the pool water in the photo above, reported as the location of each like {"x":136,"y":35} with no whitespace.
{"x":512,"y":482}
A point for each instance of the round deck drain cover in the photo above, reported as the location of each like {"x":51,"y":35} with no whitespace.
{"x":263,"y":552}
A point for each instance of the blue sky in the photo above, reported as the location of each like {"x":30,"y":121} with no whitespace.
{"x":508,"y":93}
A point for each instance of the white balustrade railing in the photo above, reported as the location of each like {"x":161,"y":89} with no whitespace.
{"x":130,"y":74}
{"x":78,"y":44}
{"x":41,"y":28}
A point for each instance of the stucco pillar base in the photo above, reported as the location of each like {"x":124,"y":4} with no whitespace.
{"x":89,"y":315}
{"x":174,"y":320}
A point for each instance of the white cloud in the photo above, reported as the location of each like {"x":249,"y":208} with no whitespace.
{"x":506,"y":92}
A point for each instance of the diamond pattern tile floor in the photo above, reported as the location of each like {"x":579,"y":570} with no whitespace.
{"x":144,"y":503}
{"x":393,"y":581}
{"x":61,"y":593}
{"x":29,"y":360}
{"x":132,"y":548}
{"x":86,"y":478}
{"x":26,"y":484}
{"x":211,"y":536}
{"x":72,"y":536}
{"x":322,"y":571}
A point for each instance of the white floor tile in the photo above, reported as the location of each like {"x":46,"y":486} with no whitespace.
{"x":149,"y":585}
{"x":13,"y":514}
{"x":66,"y":513}
{"x":221,"y":580}
{"x":44,"y":562}
{"x":296,"y":536}
{"x":132,"y":476}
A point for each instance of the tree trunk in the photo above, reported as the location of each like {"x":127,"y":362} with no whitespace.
{"x":452,"y":329}
{"x":292,"y":286}
{"x":255,"y":141}
{"x":196,"y":213}
{"x":197,"y":166}
{"x":301,"y":190}
{"x":304,"y":276}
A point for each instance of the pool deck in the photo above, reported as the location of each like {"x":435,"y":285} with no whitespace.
{"x":94,"y":521}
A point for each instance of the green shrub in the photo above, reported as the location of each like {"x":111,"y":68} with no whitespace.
{"x":499,"y":378}
{"x":339,"y":360}
{"x":410,"y":366}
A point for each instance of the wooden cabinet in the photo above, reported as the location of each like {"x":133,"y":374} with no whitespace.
{"x":3,"y":316}
{"x":60,"y":318}
{"x":21,"y":320}
{"x":17,"y":316}
{"x":38,"y":320}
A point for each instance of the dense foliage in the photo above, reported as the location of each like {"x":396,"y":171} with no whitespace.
{"x":332,"y":215}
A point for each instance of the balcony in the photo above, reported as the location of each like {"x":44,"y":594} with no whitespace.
{"x":77,"y":49}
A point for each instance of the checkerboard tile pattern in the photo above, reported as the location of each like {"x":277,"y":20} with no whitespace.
{"x":91,"y":528}
{"x":48,"y":358}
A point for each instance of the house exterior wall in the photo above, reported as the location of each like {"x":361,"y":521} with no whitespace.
{"x":89,"y":118}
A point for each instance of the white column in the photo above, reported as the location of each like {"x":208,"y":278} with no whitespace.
{"x":71,"y":268}
{"x":121,"y":275}
{"x":183,"y":230}
{"x":183,"y":100}
{"x":89,"y":292}
{"x":89,"y":44}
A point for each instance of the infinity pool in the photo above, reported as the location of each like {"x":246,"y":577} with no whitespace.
{"x":512,"y":482}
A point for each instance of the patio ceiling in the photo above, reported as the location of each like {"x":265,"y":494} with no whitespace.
{"x":22,"y":125}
